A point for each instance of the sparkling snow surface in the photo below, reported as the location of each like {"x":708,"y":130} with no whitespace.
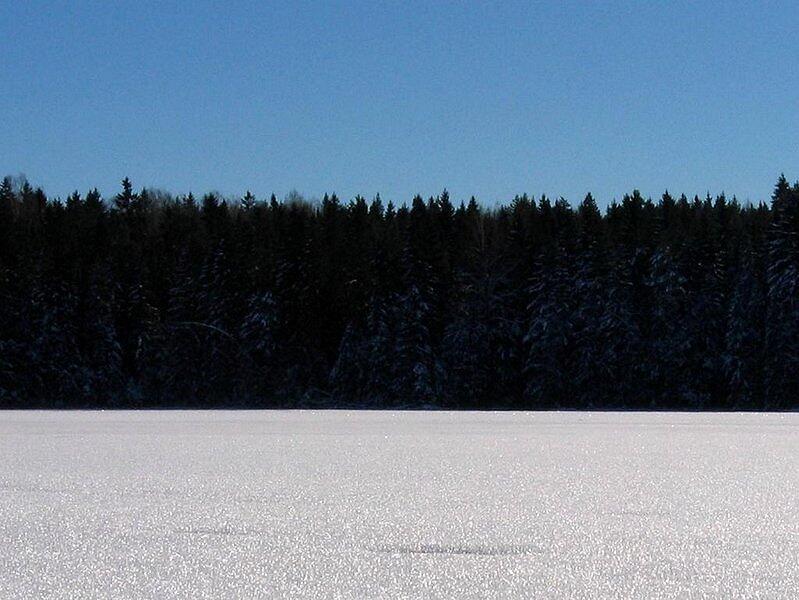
{"x":388,"y":505}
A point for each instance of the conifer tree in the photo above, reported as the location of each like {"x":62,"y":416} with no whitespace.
{"x":127,"y":198}
{"x":782,"y":321}
{"x":154,"y":300}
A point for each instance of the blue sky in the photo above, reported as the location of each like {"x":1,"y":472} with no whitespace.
{"x":490,"y":99}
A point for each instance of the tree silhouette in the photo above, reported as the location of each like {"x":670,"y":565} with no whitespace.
{"x":149,"y":299}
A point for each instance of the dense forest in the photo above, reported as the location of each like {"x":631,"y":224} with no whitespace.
{"x":152,"y":300}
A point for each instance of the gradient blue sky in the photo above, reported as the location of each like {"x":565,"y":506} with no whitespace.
{"x":489,"y":99}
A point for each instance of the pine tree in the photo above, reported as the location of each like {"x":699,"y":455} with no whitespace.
{"x":481,"y":350}
{"x":159,"y":301}
{"x":127,"y":198}
{"x":258,"y":337}
{"x":7,"y":225}
{"x":417,"y":370}
{"x":550,"y":337}
{"x":782,"y":318}
{"x":247,"y":202}
{"x":744,"y":340}
{"x":669,"y":343}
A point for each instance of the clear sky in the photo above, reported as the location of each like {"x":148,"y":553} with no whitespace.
{"x":490,"y":99}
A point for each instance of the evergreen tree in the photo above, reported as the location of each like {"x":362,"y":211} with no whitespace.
{"x":550,"y":334}
{"x":782,"y":320}
{"x":127,"y":198}
{"x":417,"y":371}
{"x":744,"y":340}
{"x":154,"y":300}
{"x":481,"y":350}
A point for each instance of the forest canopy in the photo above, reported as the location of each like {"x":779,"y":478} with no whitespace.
{"x":152,"y":300}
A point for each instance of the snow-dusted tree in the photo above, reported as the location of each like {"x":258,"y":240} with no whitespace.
{"x":16,"y":376}
{"x":550,"y":333}
{"x":481,"y":349}
{"x":417,"y":371}
{"x":7,"y":208}
{"x":349,"y":374}
{"x":54,"y":354}
{"x":605,"y":366}
{"x":745,"y":337}
{"x":363,"y":373}
{"x":782,"y":320}
{"x":127,"y":199}
{"x":247,"y":201}
{"x":587,"y":368}
{"x":670,"y":343}
{"x":647,"y":305}
{"x":705,"y":261}
{"x":258,"y":339}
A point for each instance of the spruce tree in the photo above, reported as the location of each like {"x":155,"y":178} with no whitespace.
{"x":782,"y":317}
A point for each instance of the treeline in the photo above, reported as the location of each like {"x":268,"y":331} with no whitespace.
{"x":150,"y":300}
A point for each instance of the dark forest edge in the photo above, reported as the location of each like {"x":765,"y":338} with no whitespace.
{"x":149,"y":300}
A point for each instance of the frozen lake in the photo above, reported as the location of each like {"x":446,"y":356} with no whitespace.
{"x":306,"y":504}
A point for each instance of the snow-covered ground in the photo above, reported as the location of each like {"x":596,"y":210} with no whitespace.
{"x":412,"y":505}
